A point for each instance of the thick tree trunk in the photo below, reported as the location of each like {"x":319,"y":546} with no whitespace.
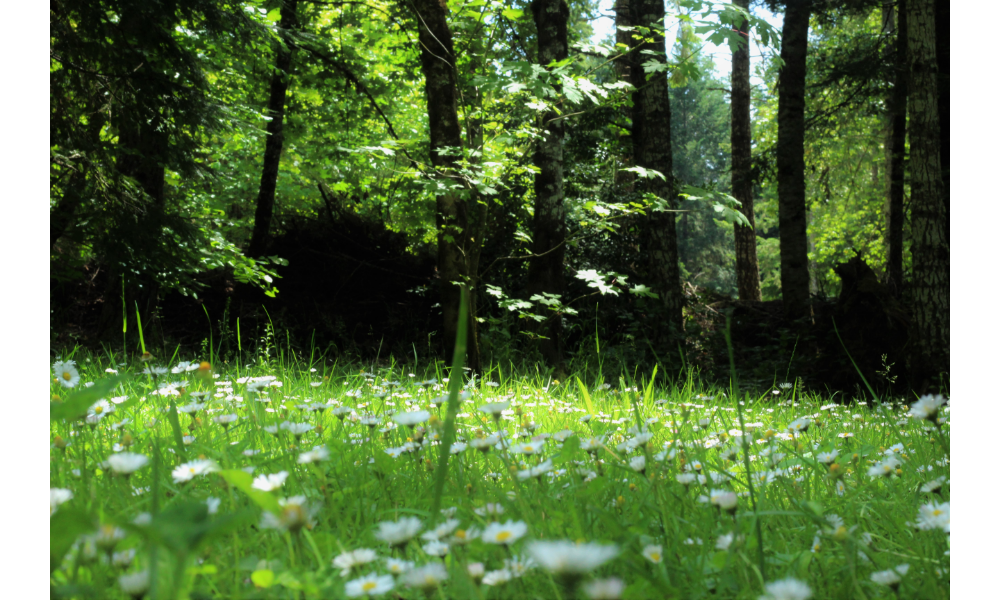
{"x":897,"y":155}
{"x":929,"y":286}
{"x":275,"y":132}
{"x":747,"y":272}
{"x":942,"y":44}
{"x":545,"y":270}
{"x":437,"y":59}
{"x":793,"y":243}
{"x":651,"y":146}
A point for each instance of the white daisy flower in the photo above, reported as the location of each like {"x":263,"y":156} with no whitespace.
{"x":532,"y":472}
{"x":397,"y":533}
{"x":270,"y":482}
{"x":476,"y":570}
{"x":100,"y":409}
{"x":519,"y":565}
{"x":934,"y":485}
{"x":827,"y":457}
{"x":506,"y":533}
{"x":190,"y":470}
{"x":317,"y":454}
{"x":569,"y":558}
{"x":935,"y":515}
{"x":134,"y":585}
{"x":410,"y":419}
{"x":426,"y":577}
{"x":435,"y":548}
{"x":638,"y":464}
{"x":787,"y":589}
{"x":495,"y":409}
{"x":653,"y":553}
{"x":58,"y":496}
{"x":348,"y":560}
{"x":296,"y":513}
{"x":65,"y":371}
{"x":926,"y":408}
{"x":397,"y":566}
{"x":369,"y":585}
{"x":891,"y":577}
{"x":441,"y":531}
{"x":494,"y":578}
{"x":126,"y":463}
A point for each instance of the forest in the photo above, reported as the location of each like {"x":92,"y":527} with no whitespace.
{"x":471,"y":299}
{"x":305,"y":176}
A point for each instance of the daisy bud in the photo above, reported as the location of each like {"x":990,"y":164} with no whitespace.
{"x":59,"y":443}
{"x":631,"y":487}
{"x":620,"y":501}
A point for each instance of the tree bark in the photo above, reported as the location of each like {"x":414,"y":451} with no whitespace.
{"x":275,"y":131}
{"x":897,"y":155}
{"x":652,"y":150}
{"x":793,"y":243}
{"x":942,"y":44}
{"x":929,"y":285}
{"x":437,"y":59}
{"x":545,"y":269}
{"x":747,"y":271}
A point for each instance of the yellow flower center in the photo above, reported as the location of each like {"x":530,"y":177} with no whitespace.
{"x":529,"y":448}
{"x":460,"y":534}
{"x":938,"y":512}
{"x":368,"y":586}
{"x":98,"y":410}
{"x":67,"y":375}
{"x":654,"y":556}
{"x":503,"y":536}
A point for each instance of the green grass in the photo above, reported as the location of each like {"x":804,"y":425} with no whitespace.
{"x":787,"y":530}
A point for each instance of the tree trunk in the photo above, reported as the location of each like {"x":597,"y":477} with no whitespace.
{"x":942,"y":44}
{"x":545,"y":269}
{"x":437,"y":59}
{"x":651,"y":146}
{"x":929,"y":285}
{"x":747,"y":272}
{"x":791,"y":161}
{"x":275,"y":132}
{"x":897,"y":155}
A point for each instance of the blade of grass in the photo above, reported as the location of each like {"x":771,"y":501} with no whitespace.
{"x":454,"y":389}
{"x":175,"y":424}
{"x":586,"y":396}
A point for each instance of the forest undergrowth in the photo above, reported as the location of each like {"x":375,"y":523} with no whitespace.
{"x":297,"y":477}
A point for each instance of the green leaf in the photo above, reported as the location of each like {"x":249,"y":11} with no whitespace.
{"x":513,"y":13}
{"x":243,"y":481}
{"x":76,"y":405}
{"x":263,"y":578}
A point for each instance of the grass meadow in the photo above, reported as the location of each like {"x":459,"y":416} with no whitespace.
{"x":294,"y":478}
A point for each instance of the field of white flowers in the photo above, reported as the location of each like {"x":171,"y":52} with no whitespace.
{"x":180,"y":480}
